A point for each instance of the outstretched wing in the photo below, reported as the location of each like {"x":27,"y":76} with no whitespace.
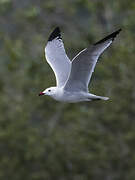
{"x":84,"y":63}
{"x":56,"y":57}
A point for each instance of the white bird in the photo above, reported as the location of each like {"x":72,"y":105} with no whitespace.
{"x":73,"y":77}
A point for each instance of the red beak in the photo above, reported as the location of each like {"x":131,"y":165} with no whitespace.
{"x":41,"y":93}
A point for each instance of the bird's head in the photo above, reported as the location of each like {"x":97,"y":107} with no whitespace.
{"x":49,"y":91}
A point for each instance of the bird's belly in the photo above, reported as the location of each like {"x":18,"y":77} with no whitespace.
{"x":70,"y":98}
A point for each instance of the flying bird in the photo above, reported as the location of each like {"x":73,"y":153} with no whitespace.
{"x":73,"y":77}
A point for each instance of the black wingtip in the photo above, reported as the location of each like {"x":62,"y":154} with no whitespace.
{"x":111,"y":36}
{"x":54,"y":34}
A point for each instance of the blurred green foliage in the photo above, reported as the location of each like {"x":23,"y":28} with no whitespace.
{"x":43,"y":139}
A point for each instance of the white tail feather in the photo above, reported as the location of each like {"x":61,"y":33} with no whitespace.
{"x":94,"y":97}
{"x":104,"y":98}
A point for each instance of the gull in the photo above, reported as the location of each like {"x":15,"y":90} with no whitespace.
{"x":73,"y":77}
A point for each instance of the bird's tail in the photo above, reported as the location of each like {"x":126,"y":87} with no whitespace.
{"x":104,"y":98}
{"x":95,"y":98}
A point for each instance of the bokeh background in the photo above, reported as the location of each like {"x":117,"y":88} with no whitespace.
{"x":41,"y":139}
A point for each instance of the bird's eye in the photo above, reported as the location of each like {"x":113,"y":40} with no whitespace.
{"x":49,"y":90}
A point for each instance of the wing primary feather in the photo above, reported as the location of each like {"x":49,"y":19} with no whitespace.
{"x":85,"y":62}
{"x":55,"y":34}
{"x":111,"y":36}
{"x":57,"y":58}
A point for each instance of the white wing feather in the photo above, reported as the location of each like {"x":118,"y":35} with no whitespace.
{"x":56,"y":57}
{"x":84,"y":63}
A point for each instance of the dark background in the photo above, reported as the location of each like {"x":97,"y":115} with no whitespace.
{"x":41,"y":139}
